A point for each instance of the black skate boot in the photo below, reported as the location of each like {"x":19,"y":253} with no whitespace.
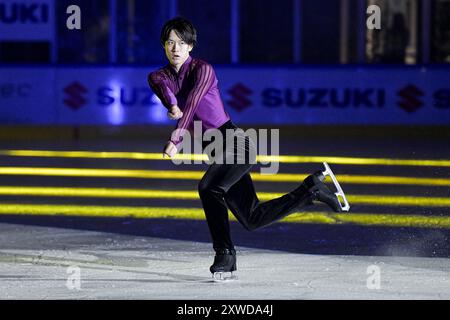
{"x":320,"y":192}
{"x":224,"y":263}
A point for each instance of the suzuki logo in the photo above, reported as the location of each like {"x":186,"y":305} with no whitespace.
{"x":410,"y":98}
{"x":74,"y":92}
{"x":23,"y":13}
{"x":240,"y":100}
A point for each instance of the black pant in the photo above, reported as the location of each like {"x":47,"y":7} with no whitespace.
{"x":230,"y":186}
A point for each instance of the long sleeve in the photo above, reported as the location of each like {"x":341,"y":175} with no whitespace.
{"x":203,"y":80}
{"x":161,"y":86}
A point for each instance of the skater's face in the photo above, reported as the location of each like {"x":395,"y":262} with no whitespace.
{"x":177,"y":50}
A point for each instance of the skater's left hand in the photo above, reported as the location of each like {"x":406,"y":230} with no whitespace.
{"x":170,"y":150}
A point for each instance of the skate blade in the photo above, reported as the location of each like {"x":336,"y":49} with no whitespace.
{"x":340,"y":193}
{"x":224,"y":276}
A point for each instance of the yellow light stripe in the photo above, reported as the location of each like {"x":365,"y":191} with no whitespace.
{"x":202,"y":157}
{"x":101,"y":211}
{"x":375,"y":200}
{"x":197,"y":175}
{"x":394,"y":180}
{"x":98,"y":193}
{"x":100,"y":155}
{"x":355,"y":161}
{"x":380,"y":200}
{"x":366,"y":219}
{"x":102,"y":173}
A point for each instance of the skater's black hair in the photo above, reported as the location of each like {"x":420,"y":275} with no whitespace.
{"x":182,"y":27}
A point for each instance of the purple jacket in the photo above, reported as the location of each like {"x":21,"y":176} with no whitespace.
{"x":194,"y":90}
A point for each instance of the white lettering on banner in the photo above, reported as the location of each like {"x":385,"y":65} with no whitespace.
{"x":27,"y":20}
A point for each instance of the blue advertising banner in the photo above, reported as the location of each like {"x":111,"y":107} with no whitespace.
{"x":332,"y":95}
{"x":107,"y":96}
{"x":27,"y":96}
{"x":338,"y":95}
{"x":22,"y":20}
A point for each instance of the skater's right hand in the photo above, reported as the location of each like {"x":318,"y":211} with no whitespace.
{"x":174,"y":113}
{"x":169,"y":150}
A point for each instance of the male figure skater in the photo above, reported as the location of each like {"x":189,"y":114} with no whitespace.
{"x":188,"y":88}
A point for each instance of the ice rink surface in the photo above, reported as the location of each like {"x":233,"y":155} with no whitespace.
{"x":44,"y":263}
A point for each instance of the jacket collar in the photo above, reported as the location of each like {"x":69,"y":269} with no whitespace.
{"x":183,"y":66}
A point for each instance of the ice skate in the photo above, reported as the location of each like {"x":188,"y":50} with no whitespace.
{"x":224,"y":265}
{"x":320,"y":192}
